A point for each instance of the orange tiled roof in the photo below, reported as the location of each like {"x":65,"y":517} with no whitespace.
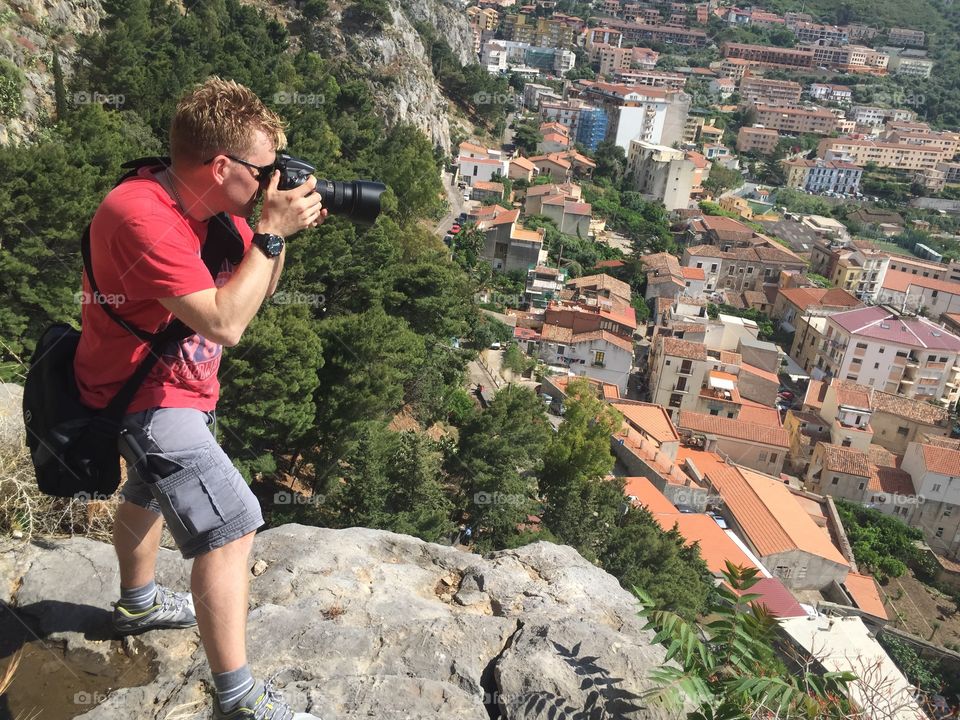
{"x":909,"y":408}
{"x":850,"y":394}
{"x":716,"y":547}
{"x":523,"y":163}
{"x":770,"y":516}
{"x":846,"y":460}
{"x":942,"y":460}
{"x":691,"y":273}
{"x":760,"y":414}
{"x":865,"y":594}
{"x":675,"y":347}
{"x":816,"y":391}
{"x":648,"y":495}
{"x":760,"y":372}
{"x":652,"y":419}
{"x":736,"y":429}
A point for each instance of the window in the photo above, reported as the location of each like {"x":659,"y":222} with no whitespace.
{"x":713,"y":268}
{"x":882,"y":350}
{"x":852,"y":377}
{"x":939,"y":532}
{"x":773,"y":457}
{"x":749,"y":271}
{"x":856,"y":361}
{"x":861,"y":486}
{"x":835,"y":480}
{"x":901,"y":353}
{"x":762,"y":457}
{"x":876,"y":366}
{"x":944,"y":359}
{"x":699,"y":265}
{"x":560,"y":349}
{"x":675,"y":400}
{"x":667,"y":363}
{"x":783,"y":571}
{"x":714,"y":412}
{"x":730,"y":415}
{"x":903,"y":431}
{"x":598,"y":358}
{"x":934,"y":293}
{"x":861,"y":346}
{"x":847,"y":442}
{"x":936,"y":487}
{"x":948,"y":511}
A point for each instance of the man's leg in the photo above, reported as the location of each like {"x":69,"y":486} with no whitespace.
{"x":220,"y":583}
{"x":136,"y":538}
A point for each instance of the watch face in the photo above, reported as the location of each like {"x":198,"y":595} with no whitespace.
{"x":274,"y":245}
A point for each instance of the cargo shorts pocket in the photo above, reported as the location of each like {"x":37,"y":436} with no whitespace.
{"x":199,"y":498}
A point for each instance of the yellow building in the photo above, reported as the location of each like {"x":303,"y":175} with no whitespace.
{"x":484,"y":18}
{"x":732,"y":203}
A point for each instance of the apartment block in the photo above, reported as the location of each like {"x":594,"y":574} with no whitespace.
{"x":898,"y":155}
{"x":850,"y":58}
{"x":794,"y":120}
{"x":653,"y":115}
{"x":818,"y":175}
{"x":635,"y":33}
{"x":770,"y":56}
{"x":911,"y":63}
{"x":808,"y":32}
{"x":903,"y":355}
{"x":757,"y":139}
{"x":840,"y":94}
{"x":907,"y":37}
{"x":757,"y":89}
{"x":508,"y":245}
{"x":661,"y":173}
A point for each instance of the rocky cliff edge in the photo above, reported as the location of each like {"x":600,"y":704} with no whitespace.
{"x":367,"y":623}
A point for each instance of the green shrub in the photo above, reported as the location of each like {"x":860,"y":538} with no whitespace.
{"x":11,"y":89}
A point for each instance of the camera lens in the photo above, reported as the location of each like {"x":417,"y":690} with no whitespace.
{"x":359,"y":199}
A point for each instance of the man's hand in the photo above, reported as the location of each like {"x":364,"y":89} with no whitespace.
{"x":285,"y":212}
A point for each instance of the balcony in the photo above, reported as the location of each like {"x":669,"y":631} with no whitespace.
{"x":677,"y":388}
{"x":685,"y":370}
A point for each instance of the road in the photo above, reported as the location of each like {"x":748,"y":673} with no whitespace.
{"x":455,"y":197}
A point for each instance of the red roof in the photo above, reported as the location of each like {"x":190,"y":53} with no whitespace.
{"x":776,"y":598}
{"x":879,"y":324}
{"x":691,"y":273}
{"x":941,"y":460}
{"x":647,"y":495}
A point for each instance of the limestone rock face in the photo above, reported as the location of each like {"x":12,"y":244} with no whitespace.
{"x":366,"y":623}
{"x":11,"y":417}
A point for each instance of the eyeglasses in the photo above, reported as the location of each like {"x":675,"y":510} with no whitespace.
{"x":263,"y":172}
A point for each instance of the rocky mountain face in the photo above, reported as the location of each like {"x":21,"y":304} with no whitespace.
{"x":365,"y":623}
{"x":393,"y":59}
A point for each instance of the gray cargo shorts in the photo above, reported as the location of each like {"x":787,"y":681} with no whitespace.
{"x":183,"y":474}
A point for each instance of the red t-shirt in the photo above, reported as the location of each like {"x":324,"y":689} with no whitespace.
{"x":143,"y":248}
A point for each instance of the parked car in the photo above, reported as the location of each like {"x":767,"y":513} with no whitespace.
{"x":455,"y":228}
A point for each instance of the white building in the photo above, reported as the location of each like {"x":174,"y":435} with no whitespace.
{"x":901,"y":355}
{"x":599,"y":354}
{"x":661,"y":173}
{"x":936,"y":478}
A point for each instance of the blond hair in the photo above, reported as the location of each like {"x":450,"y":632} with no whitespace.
{"x":219,"y":117}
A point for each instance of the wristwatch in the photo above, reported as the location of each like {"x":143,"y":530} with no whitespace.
{"x":271,"y":244}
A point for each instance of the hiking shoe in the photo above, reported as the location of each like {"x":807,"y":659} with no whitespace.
{"x":169,"y":610}
{"x":262,"y":702}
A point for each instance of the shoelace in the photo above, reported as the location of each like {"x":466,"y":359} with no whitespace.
{"x":171,"y":600}
{"x":280,"y":709}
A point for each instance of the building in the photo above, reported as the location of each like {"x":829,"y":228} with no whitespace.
{"x":908,"y":356}
{"x":543,"y":285}
{"x":485,"y":18}
{"x":917,"y":294}
{"x":654,"y":115}
{"x":906,"y":37}
{"x":792,"y":303}
{"x":661,"y":173}
{"x":635,"y":33}
{"x":819,"y":176}
{"x":757,"y":89}
{"x":897,"y":155}
{"x":850,"y":58}
{"x":898,"y":421}
{"x":738,"y":269}
{"x":757,"y":446}
{"x":777,"y":528}
{"x":769,"y":56}
{"x":760,"y":140}
{"x":508,"y":245}
{"x":571,"y":217}
{"x":809,"y":32}
{"x":479,"y":164}
{"x":911,"y":63}
{"x":840,"y":94}
{"x":795,"y":120}
{"x":936,"y":477}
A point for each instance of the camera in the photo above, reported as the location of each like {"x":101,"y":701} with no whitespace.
{"x":358,"y":200}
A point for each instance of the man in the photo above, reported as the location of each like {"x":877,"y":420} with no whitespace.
{"x":146,"y":239}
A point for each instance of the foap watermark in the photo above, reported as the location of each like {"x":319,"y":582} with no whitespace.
{"x":87,"y":497}
{"x":98,"y":298}
{"x":488,"y":98}
{"x":88,"y":698}
{"x":899,"y":98}
{"x":510,"y":301}
{"x":498,"y":498}
{"x":85,"y":97}
{"x":298,"y":298}
{"x":292,"y":97}
{"x":291,"y":498}
{"x":897,"y":499}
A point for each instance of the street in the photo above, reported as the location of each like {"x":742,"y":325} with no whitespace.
{"x":455,"y":198}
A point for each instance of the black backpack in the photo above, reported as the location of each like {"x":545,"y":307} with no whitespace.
{"x":73,"y":447}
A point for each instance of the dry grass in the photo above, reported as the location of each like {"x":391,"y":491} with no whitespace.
{"x":26,"y":513}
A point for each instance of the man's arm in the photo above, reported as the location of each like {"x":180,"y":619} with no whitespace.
{"x":222,"y":314}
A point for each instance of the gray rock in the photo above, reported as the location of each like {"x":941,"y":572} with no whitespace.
{"x":367,"y":623}
{"x":12,"y":434}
